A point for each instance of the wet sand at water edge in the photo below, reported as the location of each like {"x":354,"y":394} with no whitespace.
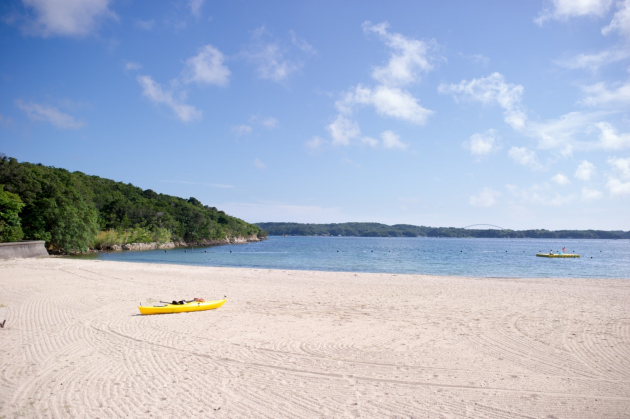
{"x":290,"y":344}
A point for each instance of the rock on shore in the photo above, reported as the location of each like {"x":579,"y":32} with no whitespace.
{"x":172,"y":245}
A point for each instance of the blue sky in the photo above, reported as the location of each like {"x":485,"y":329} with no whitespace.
{"x":429,"y":113}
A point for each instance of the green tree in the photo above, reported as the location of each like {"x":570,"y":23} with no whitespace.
{"x":73,"y":223}
{"x":10,"y":225}
{"x":66,"y":209}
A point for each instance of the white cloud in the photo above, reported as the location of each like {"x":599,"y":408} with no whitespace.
{"x":560,"y":179}
{"x":591,"y":194}
{"x":267,"y":122}
{"x":6,"y":121}
{"x":594,"y":61}
{"x":131,"y":66}
{"x":315,"y":143}
{"x":399,"y":104}
{"x":206,"y":67}
{"x":492,"y":90}
{"x":66,"y":17}
{"x":585,"y":170}
{"x":526,"y":157}
{"x":408,"y":59}
{"x":37,"y":112}
{"x":372,"y":142}
{"x":392,"y":140}
{"x":620,"y":24}
{"x":621,"y":20}
{"x":270,"y":122}
{"x":270,"y":58}
{"x":609,"y":139}
{"x":565,"y":9}
{"x":481,"y":144}
{"x":486,"y":198}
{"x":620,"y":166}
{"x":476,"y":58}
{"x":241,"y":130}
{"x":573,"y":130}
{"x":342,"y":130}
{"x":617,"y":187}
{"x":195,"y":7}
{"x":302,"y":44}
{"x":560,"y":133}
{"x":619,"y":182}
{"x":259,"y":165}
{"x":600,"y":95}
{"x":387,"y":101}
{"x":350,"y":163}
{"x":271,"y":63}
{"x":541,"y":195}
{"x":565,"y":133}
{"x":487,"y":90}
{"x":146,"y":25}
{"x":154,"y":92}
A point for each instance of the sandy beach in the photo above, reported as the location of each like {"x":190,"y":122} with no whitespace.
{"x":308,"y":344}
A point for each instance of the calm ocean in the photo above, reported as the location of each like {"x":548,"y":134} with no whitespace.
{"x":421,"y":255}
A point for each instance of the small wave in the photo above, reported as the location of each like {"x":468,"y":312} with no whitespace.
{"x":255,"y":253}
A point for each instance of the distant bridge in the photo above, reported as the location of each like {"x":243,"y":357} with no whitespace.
{"x":485,"y":225}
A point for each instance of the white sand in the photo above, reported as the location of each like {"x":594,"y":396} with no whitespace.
{"x":308,"y":344}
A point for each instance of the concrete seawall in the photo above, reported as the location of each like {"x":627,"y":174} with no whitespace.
{"x":26,"y":249}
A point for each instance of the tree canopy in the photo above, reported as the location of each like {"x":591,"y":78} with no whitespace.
{"x":68,"y":209}
{"x":406,"y":230}
{"x":10,"y":223}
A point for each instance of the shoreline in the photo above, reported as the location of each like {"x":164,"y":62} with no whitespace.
{"x":139,"y":247}
{"x":340,"y":272}
{"x":308,"y":343}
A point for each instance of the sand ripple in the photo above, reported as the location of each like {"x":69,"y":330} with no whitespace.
{"x":308,"y":344}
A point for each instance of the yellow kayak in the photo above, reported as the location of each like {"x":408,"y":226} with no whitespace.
{"x":564,"y":255}
{"x":181,"y":308}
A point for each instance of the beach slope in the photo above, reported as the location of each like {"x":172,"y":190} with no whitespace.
{"x":308,"y":344}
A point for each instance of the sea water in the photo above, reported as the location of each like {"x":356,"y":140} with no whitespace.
{"x":418,"y":255}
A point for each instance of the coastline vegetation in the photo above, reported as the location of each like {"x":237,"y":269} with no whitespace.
{"x":10,"y":223}
{"x":73,"y":211}
{"x":113,"y":237}
{"x":406,"y":230}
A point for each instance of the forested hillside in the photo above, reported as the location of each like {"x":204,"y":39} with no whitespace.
{"x":406,"y":230}
{"x":68,"y":210}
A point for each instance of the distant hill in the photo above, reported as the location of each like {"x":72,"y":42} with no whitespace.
{"x":406,"y":230}
{"x":68,"y":210}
